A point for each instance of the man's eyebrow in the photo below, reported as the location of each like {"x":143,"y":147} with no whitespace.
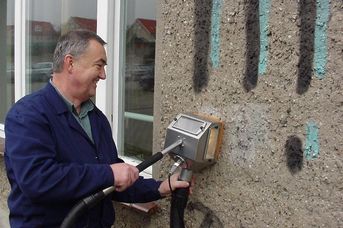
{"x":102,"y":61}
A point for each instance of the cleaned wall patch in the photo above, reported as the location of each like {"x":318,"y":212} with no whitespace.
{"x":248,"y":133}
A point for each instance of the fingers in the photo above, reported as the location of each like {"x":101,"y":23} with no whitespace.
{"x":176,"y":183}
{"x":180,"y":184}
{"x":164,"y":188}
{"x":124,"y":175}
{"x":192,"y":184}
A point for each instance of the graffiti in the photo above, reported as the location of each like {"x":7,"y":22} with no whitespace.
{"x":256,"y":30}
{"x":264,"y":6}
{"x":313,"y":14}
{"x":202,"y":28}
{"x":252,"y":33}
{"x":294,"y":151}
{"x":320,"y":37}
{"x":210,"y":219}
{"x":312,"y":141}
{"x":215,"y":32}
{"x":307,"y":14}
{"x":294,"y":154}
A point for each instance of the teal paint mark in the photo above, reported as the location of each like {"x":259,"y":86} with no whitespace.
{"x":312,"y":141}
{"x":264,"y":7}
{"x":215,"y":32}
{"x":320,"y":38}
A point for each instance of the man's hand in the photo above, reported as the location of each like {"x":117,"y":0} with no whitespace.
{"x":124,"y":175}
{"x":164,"y":188}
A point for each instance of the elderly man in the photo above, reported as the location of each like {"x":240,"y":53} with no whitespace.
{"x":59,"y":147}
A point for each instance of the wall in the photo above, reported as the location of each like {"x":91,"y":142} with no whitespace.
{"x":4,"y":189}
{"x":274,"y":77}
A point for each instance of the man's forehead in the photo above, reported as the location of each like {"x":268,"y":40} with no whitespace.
{"x":96,"y":50}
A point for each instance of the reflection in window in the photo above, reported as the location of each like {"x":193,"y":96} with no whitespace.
{"x":44,"y":27}
{"x":6,"y":57}
{"x":139,"y":78}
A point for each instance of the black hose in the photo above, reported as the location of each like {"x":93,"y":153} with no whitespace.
{"x":179,"y":201}
{"x":82,"y":207}
{"x":75,"y":213}
{"x":89,"y":202}
{"x":177,"y":209}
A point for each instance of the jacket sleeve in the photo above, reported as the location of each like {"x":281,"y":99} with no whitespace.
{"x":142,"y":191}
{"x":32,"y":166}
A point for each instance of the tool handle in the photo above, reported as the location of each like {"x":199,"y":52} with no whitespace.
{"x":150,"y":161}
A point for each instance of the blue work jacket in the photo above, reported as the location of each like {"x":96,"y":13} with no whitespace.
{"x":51,"y":164}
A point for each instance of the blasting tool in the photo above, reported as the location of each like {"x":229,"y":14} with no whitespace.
{"x":191,"y":139}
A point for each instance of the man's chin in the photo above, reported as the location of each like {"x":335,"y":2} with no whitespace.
{"x":92,"y":94}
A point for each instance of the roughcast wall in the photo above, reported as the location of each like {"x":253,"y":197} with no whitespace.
{"x":272,"y":71}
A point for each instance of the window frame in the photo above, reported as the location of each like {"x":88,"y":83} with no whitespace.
{"x":19,"y":53}
{"x":113,"y":88}
{"x":111,"y":21}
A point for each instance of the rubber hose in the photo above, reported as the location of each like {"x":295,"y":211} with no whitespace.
{"x":177,"y":208}
{"x":74,"y":214}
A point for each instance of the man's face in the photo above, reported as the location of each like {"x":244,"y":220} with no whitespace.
{"x":88,"y":69}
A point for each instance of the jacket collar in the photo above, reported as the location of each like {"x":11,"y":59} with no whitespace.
{"x":55,"y":99}
{"x":60,"y":106}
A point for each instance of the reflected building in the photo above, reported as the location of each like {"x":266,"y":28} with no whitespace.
{"x":81,"y":23}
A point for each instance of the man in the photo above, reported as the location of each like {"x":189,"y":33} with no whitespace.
{"x":59,"y":147}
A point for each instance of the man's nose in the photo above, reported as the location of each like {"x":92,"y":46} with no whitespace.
{"x":102,"y":74}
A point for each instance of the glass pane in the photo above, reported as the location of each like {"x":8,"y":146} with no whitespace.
{"x":47,"y":20}
{"x":6,"y":57}
{"x":139,"y":77}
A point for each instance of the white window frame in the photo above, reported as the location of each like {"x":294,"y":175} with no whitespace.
{"x":110,"y":95}
{"x":19,"y":53}
{"x":111,"y":20}
{"x":2,"y":131}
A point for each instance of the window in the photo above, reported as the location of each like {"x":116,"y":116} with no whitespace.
{"x":139,"y":78}
{"x":131,"y":59}
{"x":6,"y":58}
{"x":46,"y":20}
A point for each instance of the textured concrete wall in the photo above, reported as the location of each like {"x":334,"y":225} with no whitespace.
{"x":272,"y":71}
{"x":4,"y":189}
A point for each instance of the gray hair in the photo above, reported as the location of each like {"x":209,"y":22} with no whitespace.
{"x":74,"y":43}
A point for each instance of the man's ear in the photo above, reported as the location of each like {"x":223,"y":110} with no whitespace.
{"x":68,"y":62}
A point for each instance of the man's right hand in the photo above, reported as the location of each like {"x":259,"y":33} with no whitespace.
{"x":124,"y":175}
